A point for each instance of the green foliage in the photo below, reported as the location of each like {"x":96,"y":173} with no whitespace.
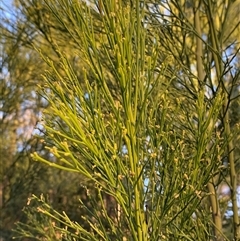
{"x":21,"y":107}
{"x":140,"y":103}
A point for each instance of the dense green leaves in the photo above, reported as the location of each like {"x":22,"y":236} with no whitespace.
{"x":140,"y":98}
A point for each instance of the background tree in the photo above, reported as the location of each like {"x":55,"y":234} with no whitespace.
{"x":21,"y":110}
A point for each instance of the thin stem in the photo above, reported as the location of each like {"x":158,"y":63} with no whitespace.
{"x":199,"y":52}
{"x":233,"y":178}
{"x":216,"y":214}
